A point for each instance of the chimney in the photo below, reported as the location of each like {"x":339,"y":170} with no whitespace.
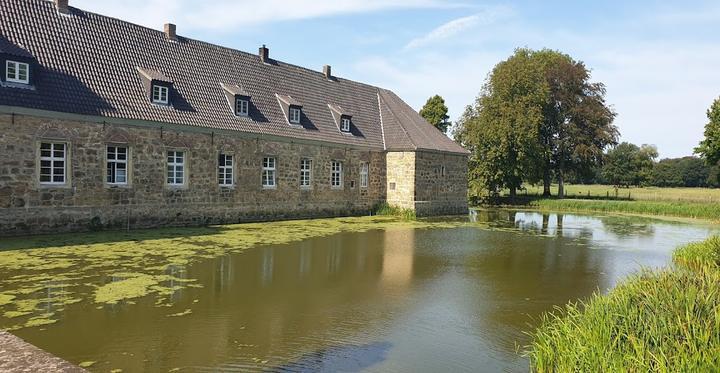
{"x":327,"y":71}
{"x":170,"y":31}
{"x":62,"y":6}
{"x":264,"y":54}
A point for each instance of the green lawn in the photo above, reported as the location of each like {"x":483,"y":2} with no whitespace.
{"x":697,"y":195}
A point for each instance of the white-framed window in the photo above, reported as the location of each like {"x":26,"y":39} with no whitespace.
{"x":17,"y":72}
{"x":53,"y":163}
{"x":160,"y":94}
{"x":225,"y":170}
{"x":364,"y":173}
{"x":336,"y":174}
{"x":175,"y":167}
{"x":294,"y":115}
{"x":268,"y":172}
{"x":117,"y":165}
{"x":242,"y":107}
{"x":305,"y":173}
{"x":345,"y":124}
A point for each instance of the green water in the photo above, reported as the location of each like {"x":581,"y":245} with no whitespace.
{"x":324,"y":295}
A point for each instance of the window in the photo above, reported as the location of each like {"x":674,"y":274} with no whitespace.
{"x":225,"y":170}
{"x":117,"y":165}
{"x":345,"y":125}
{"x":442,"y":170}
{"x":52,"y":163}
{"x":242,"y":107}
{"x":160,"y":94}
{"x":294,"y":115}
{"x":363,"y":175}
{"x":305,"y":172}
{"x":175,"y":167}
{"x":268,"y":172}
{"x":336,"y":179}
{"x":17,"y":72}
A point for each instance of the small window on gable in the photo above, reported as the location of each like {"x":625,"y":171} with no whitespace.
{"x":17,"y":72}
{"x":345,"y":124}
{"x":160,"y":94}
{"x":242,"y":107}
{"x":295,"y":115}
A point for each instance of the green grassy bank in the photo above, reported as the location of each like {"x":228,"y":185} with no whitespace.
{"x":707,"y":211}
{"x":693,"y":195}
{"x":658,"y":320}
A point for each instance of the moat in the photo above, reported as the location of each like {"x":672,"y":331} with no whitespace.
{"x":355,"y":294}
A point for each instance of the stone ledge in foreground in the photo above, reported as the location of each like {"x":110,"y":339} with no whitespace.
{"x":17,"y":355}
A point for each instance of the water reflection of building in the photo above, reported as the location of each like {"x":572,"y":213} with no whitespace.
{"x":398,"y":257}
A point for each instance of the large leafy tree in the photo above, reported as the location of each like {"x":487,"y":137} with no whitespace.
{"x":709,"y":147}
{"x":436,"y":112}
{"x":577,"y":122}
{"x":537,"y":116}
{"x":501,"y":128}
{"x":628,"y":164}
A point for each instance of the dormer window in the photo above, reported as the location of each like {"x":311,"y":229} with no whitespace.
{"x":242,"y":107}
{"x":160,"y":94}
{"x":17,"y":72}
{"x":157,"y":86}
{"x":345,"y":126}
{"x":295,"y":115}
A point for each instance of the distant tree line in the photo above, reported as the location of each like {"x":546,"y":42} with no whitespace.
{"x":630,"y":165}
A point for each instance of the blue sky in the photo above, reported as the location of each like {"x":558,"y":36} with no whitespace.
{"x":660,"y":60}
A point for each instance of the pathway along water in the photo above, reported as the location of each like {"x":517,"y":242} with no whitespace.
{"x":397,"y":299}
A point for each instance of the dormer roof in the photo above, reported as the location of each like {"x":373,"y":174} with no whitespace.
{"x":234,"y":89}
{"x":289,"y":100}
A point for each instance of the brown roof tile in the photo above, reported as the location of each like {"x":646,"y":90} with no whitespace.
{"x":88,"y":65}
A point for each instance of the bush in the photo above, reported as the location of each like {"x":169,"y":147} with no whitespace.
{"x":662,"y":320}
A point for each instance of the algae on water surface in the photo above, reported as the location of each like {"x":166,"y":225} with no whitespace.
{"x":41,"y":275}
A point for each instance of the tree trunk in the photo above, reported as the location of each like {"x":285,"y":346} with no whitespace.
{"x":513,"y":192}
{"x":546,"y":182}
{"x":561,"y":183}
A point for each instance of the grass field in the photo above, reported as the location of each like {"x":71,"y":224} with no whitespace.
{"x":697,"y":195}
{"x":659,"y":320}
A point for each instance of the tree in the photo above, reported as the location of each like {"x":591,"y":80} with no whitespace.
{"x":709,"y":147}
{"x":681,"y":172}
{"x":577,"y":123}
{"x":627,"y":164}
{"x":501,"y":128}
{"x":436,"y":113}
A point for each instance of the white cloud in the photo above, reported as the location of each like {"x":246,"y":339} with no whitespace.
{"x":456,"y":26}
{"x":229,"y":15}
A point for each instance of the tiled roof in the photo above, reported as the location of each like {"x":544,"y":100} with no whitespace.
{"x":91,"y":64}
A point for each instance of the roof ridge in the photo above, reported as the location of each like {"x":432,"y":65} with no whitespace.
{"x":397,"y":119}
{"x":382,"y":124}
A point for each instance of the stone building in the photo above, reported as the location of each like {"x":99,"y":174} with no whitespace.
{"x":107,"y":124}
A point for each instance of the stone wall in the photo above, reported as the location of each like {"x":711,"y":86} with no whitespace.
{"x":430,"y":183}
{"x":87,"y":202}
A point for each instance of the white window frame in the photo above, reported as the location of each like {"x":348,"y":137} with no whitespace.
{"x":306,"y":173}
{"x":269,"y":170}
{"x":225,"y":170}
{"x":176,"y":167}
{"x":113,"y":159}
{"x":242,"y":107}
{"x":295,"y":114}
{"x":336,"y":175}
{"x":364,"y":174}
{"x":345,"y":124}
{"x":17,"y":68}
{"x":52,"y":158}
{"x":160,"y":94}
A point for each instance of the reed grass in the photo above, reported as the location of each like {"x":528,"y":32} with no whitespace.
{"x":384,"y":209}
{"x":657,"y":320}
